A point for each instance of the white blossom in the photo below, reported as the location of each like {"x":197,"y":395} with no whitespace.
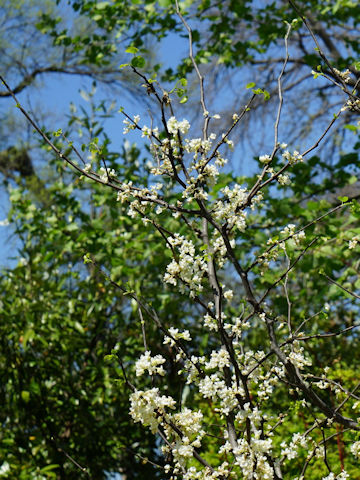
{"x":345,"y":75}
{"x":151,"y":364}
{"x":355,"y":449}
{"x":130,"y":125}
{"x":331,"y":476}
{"x":265,"y":158}
{"x":297,"y":356}
{"x":228,"y":294}
{"x":218,"y":359}
{"x":174,"y":126}
{"x":290,"y":450}
{"x":105,"y":174}
{"x":230,"y":209}
{"x":176,"y":335}
{"x":189,"y":267}
{"x":292,"y":158}
{"x":353,"y":242}
{"x":149,"y":132}
{"x":147,"y":406}
{"x":342,"y":476}
{"x":210,"y":322}
{"x":284,"y":179}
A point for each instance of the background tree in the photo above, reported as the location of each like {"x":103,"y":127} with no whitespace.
{"x":60,"y":320}
{"x":237,"y":35}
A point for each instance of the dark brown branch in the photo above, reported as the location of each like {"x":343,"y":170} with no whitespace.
{"x":30,"y":78}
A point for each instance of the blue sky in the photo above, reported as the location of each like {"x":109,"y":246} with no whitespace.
{"x":51,"y":95}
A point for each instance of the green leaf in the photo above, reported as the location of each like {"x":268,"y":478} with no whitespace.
{"x":352,"y":128}
{"x":27,"y":337}
{"x":87,"y":258}
{"x":57,"y":133}
{"x":25,"y":396}
{"x":35,"y":387}
{"x":102,"y":5}
{"x":72,"y":227}
{"x":79,"y":327}
{"x":266,"y":95}
{"x":49,"y":468}
{"x":109,"y":358}
{"x":250,"y":85}
{"x":138,"y":62}
{"x":131,"y":49}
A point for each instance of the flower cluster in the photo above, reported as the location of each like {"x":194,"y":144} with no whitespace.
{"x":342,"y":476}
{"x":140,"y":199}
{"x":218,"y":359}
{"x":231,"y":209}
{"x":188,"y":267}
{"x":197,"y":145}
{"x":190,"y":424}
{"x":214,"y":386}
{"x":355,"y":449}
{"x":106,"y":174}
{"x":151,"y":364}
{"x":289,"y":231}
{"x":210,"y":322}
{"x":270,"y":255}
{"x":254,"y":457}
{"x":292,"y":158}
{"x":130,"y":125}
{"x":149,"y":132}
{"x":236,"y":327}
{"x":265,"y":158}
{"x":174,"y":126}
{"x":176,"y":335}
{"x":149,"y":406}
{"x":283,"y":179}
{"x":290,"y":450}
{"x":345,"y":75}
{"x":297,"y":356}
{"x":353,"y":242}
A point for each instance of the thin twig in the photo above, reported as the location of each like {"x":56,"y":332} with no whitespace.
{"x":302,"y":253}
{"x":341,"y":287}
{"x":287,"y":293}
{"x":321,"y":53}
{"x":200,"y":77}
{"x":72,"y":460}
{"x":277,"y":121}
{"x":349,"y":395}
{"x":312,"y":222}
{"x":142,"y":321}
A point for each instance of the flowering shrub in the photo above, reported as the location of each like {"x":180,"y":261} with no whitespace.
{"x":259,"y":371}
